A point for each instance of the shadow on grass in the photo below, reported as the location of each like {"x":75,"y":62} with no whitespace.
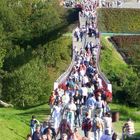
{"x":40,"y":111}
{"x":137,"y":135}
{"x":11,"y":129}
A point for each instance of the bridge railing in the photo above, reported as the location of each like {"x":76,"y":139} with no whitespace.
{"x":103,"y":77}
{"x":64,"y":76}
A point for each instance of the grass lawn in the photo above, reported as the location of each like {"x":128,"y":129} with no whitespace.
{"x":119,"y":20}
{"x":14,"y":123}
{"x":110,"y":60}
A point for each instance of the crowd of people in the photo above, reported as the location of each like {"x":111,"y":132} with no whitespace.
{"x":111,"y":4}
{"x":81,"y":102}
{"x":101,"y":3}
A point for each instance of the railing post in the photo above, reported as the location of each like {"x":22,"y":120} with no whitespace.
{"x":55,"y":85}
{"x":109,"y":86}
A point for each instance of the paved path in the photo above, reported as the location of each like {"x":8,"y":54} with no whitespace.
{"x":79,"y":45}
{"x":130,"y":5}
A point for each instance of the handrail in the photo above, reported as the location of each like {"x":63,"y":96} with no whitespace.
{"x":102,"y":75}
{"x":63,"y":76}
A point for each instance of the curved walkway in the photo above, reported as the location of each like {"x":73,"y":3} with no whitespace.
{"x":90,"y":35}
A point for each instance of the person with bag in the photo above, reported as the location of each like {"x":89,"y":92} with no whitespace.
{"x":128,"y":129}
{"x":78,"y":114}
{"x":86,"y":125}
{"x":33,"y":123}
{"x":71,"y":107}
{"x":107,"y":123}
{"x":97,"y":127}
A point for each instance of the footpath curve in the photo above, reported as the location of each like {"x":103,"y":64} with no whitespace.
{"x":78,"y":46}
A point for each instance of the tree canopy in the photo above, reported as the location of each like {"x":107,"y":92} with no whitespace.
{"x":29,"y":46}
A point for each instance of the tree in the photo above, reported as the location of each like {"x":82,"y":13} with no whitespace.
{"x":28,"y":85}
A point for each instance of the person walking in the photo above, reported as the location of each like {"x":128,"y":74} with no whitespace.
{"x":37,"y":134}
{"x":97,"y":127}
{"x":33,"y":123}
{"x":56,"y":115}
{"x":128,"y":129}
{"x":86,"y":125}
{"x":71,"y":107}
{"x":91,"y":103}
{"x":64,"y":128}
{"x":107,"y":123}
{"x":53,"y":132}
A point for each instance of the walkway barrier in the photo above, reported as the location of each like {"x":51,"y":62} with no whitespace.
{"x":64,"y":76}
{"x":102,"y":76}
{"x":106,"y":83}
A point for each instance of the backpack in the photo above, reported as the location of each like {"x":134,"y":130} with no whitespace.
{"x":97,"y":124}
{"x":86,"y":125}
{"x":33,"y":123}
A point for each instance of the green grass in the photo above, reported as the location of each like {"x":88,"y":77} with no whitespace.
{"x":114,"y":67}
{"x":125,"y":113}
{"x":14,"y":123}
{"x":119,"y":20}
{"x":110,"y":59}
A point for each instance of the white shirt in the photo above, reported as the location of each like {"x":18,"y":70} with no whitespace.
{"x":85,"y":79}
{"x":71,"y":106}
{"x":108,"y":124}
{"x":84,"y":91}
{"x":56,"y":112}
{"x":100,"y":82}
{"x":65,"y":98}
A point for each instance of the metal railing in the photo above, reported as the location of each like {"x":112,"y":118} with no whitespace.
{"x":64,"y":76}
{"x":102,"y":75}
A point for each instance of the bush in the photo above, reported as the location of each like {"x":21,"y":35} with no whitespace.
{"x":33,"y":51}
{"x":28,"y":85}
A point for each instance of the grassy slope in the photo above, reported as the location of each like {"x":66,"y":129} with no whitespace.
{"x":119,"y":20}
{"x":15,"y":123}
{"x":62,"y":66}
{"x":130,"y":46}
{"x":111,"y":61}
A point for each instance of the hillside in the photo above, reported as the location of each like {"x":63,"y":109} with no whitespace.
{"x":34,"y":49}
{"x":121,"y":75}
{"x":118,"y":72}
{"x":119,"y":20}
{"x":129,"y":47}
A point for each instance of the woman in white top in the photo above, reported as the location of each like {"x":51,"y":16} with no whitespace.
{"x":57,"y":115}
